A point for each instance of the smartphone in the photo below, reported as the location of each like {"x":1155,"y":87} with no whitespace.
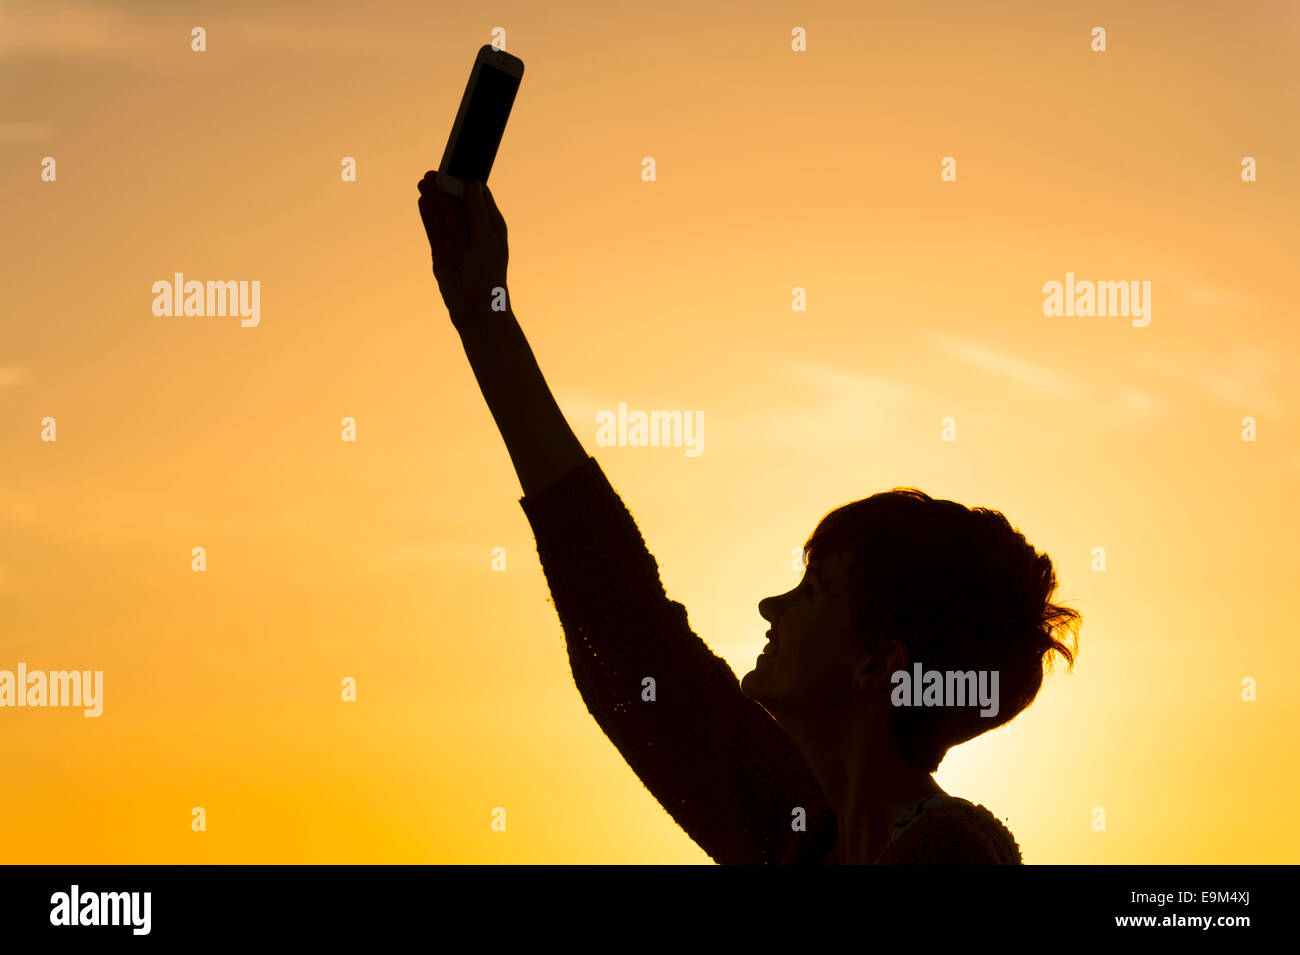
{"x":481,"y":120}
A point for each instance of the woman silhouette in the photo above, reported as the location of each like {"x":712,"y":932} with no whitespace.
{"x":821,"y":753}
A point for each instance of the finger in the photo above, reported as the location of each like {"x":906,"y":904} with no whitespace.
{"x":441,"y":226}
{"x":428,"y":186}
{"x":432,"y":213}
{"x":436,"y":198}
{"x":480,"y":226}
{"x":430,"y":193}
{"x":498,"y":220}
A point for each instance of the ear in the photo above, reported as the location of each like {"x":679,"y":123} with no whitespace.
{"x":876,"y":669}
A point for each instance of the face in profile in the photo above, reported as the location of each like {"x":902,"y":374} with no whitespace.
{"x":811,"y":651}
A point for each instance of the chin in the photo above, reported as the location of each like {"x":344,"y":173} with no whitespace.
{"x":751,"y":685}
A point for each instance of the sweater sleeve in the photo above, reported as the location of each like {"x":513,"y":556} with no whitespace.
{"x":713,"y":758}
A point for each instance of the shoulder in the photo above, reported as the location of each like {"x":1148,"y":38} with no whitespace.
{"x":953,"y":831}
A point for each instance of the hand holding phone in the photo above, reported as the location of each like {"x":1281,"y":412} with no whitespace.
{"x":470,"y":248}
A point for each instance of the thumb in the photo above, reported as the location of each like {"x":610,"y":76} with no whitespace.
{"x":476,"y":210}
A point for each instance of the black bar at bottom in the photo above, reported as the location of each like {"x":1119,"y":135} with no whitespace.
{"x":615,"y":906}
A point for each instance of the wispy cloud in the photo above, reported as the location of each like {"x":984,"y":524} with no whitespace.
{"x":422,"y":554}
{"x":1243,"y":376}
{"x":1246,"y":377}
{"x":1143,"y":403}
{"x":1038,"y":378}
{"x":12,"y":375}
{"x":24,"y":132}
{"x":16,"y":509}
{"x":842,"y":407}
{"x":288,"y":35}
{"x":126,"y":32}
{"x":70,"y":28}
{"x":1211,"y":296}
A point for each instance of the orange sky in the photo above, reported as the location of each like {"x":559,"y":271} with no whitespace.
{"x":775,"y":170}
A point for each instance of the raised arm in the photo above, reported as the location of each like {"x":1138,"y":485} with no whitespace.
{"x":470,"y":255}
{"x":715,"y":760}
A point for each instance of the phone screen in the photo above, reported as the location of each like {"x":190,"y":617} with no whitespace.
{"x":484,"y":125}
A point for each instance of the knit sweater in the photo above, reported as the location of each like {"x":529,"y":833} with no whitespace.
{"x":713,"y":758}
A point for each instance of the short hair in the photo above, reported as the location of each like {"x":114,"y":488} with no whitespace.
{"x":960,"y":588}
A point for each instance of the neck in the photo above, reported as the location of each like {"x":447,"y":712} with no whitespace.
{"x":862,"y":777}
